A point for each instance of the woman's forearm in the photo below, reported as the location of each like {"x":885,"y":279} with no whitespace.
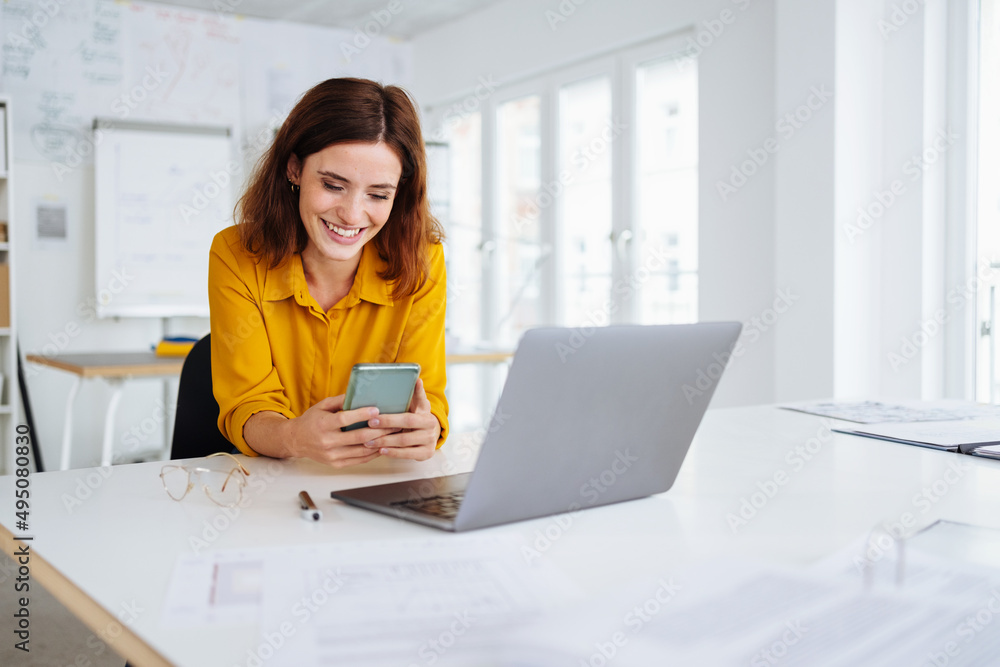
{"x":268,"y":433}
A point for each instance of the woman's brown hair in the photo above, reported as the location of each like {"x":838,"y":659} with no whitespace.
{"x":339,"y":111}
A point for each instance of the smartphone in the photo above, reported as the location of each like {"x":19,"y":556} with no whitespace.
{"x":388,"y":387}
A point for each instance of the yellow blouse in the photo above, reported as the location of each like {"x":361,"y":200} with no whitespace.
{"x":273,"y":348}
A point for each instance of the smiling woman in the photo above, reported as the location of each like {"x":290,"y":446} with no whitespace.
{"x":335,"y":260}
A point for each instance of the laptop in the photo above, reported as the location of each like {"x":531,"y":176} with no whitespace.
{"x":587,"y":417}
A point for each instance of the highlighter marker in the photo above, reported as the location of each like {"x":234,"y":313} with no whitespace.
{"x":309,"y":510}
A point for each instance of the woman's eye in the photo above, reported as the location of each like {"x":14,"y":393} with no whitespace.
{"x":381,"y":197}
{"x":331,"y":186}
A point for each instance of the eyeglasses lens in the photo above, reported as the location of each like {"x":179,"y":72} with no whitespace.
{"x":175,"y":481}
{"x":225,"y":488}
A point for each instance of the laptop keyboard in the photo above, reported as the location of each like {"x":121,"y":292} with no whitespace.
{"x":444,"y":506}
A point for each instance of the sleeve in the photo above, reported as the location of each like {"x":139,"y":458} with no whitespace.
{"x":244,"y":379}
{"x":423,"y":337}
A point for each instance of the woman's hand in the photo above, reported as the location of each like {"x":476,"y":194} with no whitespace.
{"x":316,"y":434}
{"x":413,"y":434}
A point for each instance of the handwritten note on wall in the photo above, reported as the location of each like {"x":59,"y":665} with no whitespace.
{"x":68,"y":62}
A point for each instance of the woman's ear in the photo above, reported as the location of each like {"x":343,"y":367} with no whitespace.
{"x":294,"y":168}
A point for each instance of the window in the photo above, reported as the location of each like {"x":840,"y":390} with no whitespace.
{"x":667,"y":177}
{"x":593,"y":214}
{"x":518,"y":245}
{"x":463,"y":224}
{"x":582,"y":190}
{"x":574,"y":202}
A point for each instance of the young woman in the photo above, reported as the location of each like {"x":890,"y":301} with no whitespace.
{"x":334,"y":260}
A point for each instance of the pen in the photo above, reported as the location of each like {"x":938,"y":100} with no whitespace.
{"x":309,"y":510}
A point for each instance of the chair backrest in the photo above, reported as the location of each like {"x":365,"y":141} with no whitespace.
{"x":196,"y":428}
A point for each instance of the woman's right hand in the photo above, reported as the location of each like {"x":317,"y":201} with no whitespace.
{"x":316,"y":434}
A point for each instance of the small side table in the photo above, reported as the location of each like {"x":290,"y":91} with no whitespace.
{"x":115,"y":368}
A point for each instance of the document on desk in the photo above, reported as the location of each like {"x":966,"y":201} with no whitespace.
{"x":217,"y":588}
{"x":876,"y":412}
{"x":403,"y":602}
{"x":735,"y":613}
{"x":435,"y":601}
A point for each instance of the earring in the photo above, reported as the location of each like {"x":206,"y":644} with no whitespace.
{"x":295,"y":187}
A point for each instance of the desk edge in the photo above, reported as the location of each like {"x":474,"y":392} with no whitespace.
{"x":165,"y":368}
{"x":128,"y":644}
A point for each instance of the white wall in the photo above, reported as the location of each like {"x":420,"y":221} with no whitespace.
{"x":858,"y":169}
{"x":804,"y":201}
{"x":56,"y":315}
{"x":962,"y":59}
{"x":902,"y":314}
{"x":884,"y":298}
{"x":736,"y":99}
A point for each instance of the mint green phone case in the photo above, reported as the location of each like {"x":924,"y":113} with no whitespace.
{"x":389,"y":387}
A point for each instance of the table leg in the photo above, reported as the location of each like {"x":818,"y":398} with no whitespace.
{"x":107,"y":453}
{"x":67,"y":443}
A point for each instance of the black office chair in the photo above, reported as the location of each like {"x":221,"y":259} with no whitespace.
{"x":196,"y":427}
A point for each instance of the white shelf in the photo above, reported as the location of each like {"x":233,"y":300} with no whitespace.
{"x":10,"y":410}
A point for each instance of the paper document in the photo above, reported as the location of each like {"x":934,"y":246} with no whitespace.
{"x":874,"y":412}
{"x":441,"y":601}
{"x":219,"y":588}
{"x":734,"y":613}
{"x":460,"y":600}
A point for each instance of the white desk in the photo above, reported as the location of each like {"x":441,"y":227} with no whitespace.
{"x":119,"y":545}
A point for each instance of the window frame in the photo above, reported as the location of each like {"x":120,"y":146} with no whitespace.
{"x":620,"y":66}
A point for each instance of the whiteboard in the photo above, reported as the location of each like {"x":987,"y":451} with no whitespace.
{"x":161,"y":194}
{"x":67,"y":62}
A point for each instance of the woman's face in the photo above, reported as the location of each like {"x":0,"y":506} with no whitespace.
{"x":346,"y":195}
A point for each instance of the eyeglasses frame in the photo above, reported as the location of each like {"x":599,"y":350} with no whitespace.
{"x":237,"y":466}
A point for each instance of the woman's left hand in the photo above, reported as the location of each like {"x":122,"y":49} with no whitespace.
{"x":418,"y":433}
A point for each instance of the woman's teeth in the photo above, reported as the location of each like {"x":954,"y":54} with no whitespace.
{"x":346,"y":233}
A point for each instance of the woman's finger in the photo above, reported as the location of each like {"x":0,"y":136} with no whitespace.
{"x":417,"y":453}
{"x":332,"y":403}
{"x":348,"y":417}
{"x":405,"y":420}
{"x":410,"y":438}
{"x":354,"y":460}
{"x":419,"y":402}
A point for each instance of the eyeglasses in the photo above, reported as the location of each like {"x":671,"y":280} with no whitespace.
{"x":223,"y":479}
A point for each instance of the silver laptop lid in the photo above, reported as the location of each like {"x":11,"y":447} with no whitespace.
{"x":594,"y":416}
